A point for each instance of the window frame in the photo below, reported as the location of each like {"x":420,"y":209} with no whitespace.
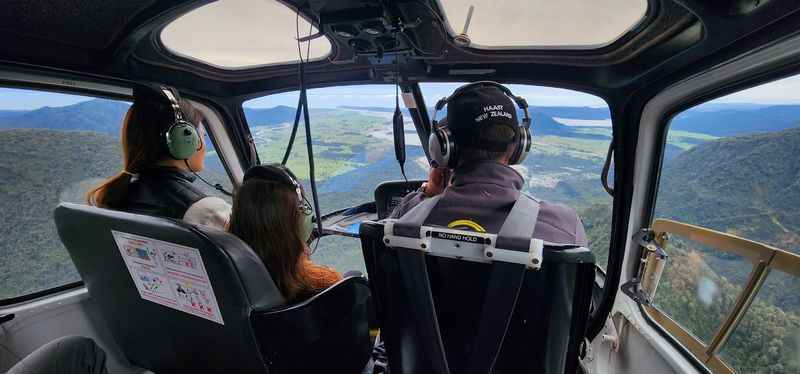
{"x":77,"y":86}
{"x":763,"y":258}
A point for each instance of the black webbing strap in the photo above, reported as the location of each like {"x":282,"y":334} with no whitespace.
{"x":421,"y":307}
{"x":505,"y":283}
{"x":417,"y":284}
{"x":409,"y":224}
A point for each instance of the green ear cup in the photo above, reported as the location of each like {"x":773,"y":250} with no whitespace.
{"x":306,"y":226}
{"x":182,"y":140}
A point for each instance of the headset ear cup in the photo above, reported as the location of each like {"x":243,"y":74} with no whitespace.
{"x":437,"y":150}
{"x":182,"y":140}
{"x":523,"y":147}
{"x":441,"y":148}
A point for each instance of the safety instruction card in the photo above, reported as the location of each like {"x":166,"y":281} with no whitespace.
{"x":169,"y":274}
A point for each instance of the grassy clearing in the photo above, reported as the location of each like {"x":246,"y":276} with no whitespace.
{"x":574,"y":147}
{"x":686,"y":140}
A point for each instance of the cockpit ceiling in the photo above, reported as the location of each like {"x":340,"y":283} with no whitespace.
{"x":542,"y":23}
{"x":239,"y":34}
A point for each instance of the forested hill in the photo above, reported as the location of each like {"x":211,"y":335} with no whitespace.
{"x":97,"y":115}
{"x":747,"y":184}
{"x":269,"y":116}
{"x":48,"y":166}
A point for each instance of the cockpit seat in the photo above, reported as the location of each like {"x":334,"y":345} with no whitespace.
{"x":442,"y":313}
{"x":179,"y":298}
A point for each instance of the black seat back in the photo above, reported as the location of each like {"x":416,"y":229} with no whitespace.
{"x":169,"y":339}
{"x":547,"y":325}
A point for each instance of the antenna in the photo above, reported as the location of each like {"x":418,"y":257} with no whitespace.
{"x":462,"y":40}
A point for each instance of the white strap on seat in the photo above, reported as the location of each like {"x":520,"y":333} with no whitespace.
{"x":513,"y":244}
{"x":463,"y":245}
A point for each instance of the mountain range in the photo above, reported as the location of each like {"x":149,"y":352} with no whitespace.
{"x":269,"y":116}
{"x":739,"y":121}
{"x":97,"y":115}
{"x":102,"y":116}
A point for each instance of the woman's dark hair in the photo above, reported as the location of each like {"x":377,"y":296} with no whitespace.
{"x":265,"y":215}
{"x":142,"y":144}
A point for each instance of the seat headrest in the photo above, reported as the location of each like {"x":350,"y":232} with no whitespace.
{"x":230,"y":263}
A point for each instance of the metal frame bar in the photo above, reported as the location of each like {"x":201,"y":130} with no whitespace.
{"x":763,"y":257}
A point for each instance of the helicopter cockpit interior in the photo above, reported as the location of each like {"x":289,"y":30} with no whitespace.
{"x":671,"y":128}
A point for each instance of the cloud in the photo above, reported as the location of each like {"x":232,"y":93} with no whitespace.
{"x":783,"y":91}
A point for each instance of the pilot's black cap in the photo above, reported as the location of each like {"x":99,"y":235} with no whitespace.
{"x":471,"y":112}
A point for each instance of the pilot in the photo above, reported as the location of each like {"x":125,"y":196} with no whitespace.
{"x":486,"y":138}
{"x":483,"y":187}
{"x":272,"y":215}
{"x":162,"y":151}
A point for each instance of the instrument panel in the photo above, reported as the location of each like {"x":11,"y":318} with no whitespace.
{"x":388,"y":196}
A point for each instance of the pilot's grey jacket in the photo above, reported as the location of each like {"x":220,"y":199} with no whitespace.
{"x":480,"y":198}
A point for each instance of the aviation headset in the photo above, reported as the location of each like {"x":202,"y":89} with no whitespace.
{"x":181,"y":138}
{"x":441,"y":145}
{"x":280,"y":174}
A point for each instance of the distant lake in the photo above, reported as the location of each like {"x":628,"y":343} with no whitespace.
{"x":584,"y":122}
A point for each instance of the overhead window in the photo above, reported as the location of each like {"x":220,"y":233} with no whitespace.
{"x":238,"y":34}
{"x":538,"y":23}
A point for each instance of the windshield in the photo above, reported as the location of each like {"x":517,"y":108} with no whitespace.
{"x":354,"y":151}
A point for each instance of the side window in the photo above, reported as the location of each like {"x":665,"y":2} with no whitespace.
{"x":571,"y":135}
{"x":54,"y":148}
{"x":353,"y":151}
{"x":214,"y":170}
{"x":730,"y":165}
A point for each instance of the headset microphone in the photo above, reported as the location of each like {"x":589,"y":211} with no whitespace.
{"x":216,"y":186}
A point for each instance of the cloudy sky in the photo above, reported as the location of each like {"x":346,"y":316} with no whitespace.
{"x":785,"y":91}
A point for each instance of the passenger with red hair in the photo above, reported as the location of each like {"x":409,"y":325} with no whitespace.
{"x":271,"y":214}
